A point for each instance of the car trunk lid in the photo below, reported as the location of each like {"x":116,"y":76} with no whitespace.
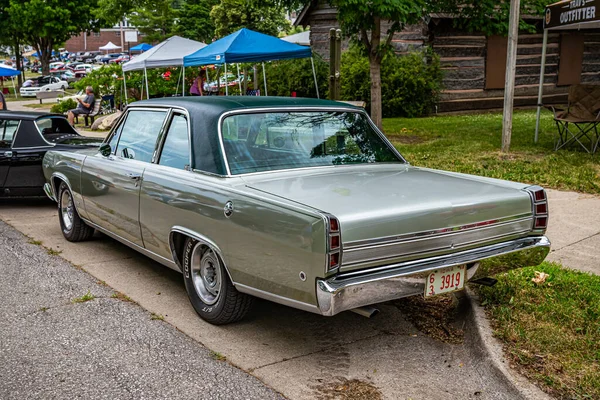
{"x":390,"y":213}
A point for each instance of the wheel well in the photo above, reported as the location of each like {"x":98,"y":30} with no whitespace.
{"x":177,"y":243}
{"x":56,"y":185}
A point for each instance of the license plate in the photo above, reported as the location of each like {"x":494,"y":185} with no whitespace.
{"x":445,"y":280}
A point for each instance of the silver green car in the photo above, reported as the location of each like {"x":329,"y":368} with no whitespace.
{"x":299,"y":201}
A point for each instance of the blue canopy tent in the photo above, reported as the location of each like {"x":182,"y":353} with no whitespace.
{"x":246,"y":45}
{"x":5,"y":72}
{"x":36,"y":54}
{"x":141,"y":47}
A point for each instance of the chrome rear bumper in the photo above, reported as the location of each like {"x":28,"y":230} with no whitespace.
{"x":356,"y":289}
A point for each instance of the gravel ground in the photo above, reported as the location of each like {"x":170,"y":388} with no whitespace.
{"x":52,"y":347}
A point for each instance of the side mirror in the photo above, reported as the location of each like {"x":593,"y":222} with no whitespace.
{"x":105,"y":149}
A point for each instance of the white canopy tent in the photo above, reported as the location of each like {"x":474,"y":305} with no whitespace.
{"x":169,"y":53}
{"x":109,"y":46}
{"x":565,"y":15}
{"x":302,"y":38}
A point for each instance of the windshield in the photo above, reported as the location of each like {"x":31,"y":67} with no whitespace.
{"x":283,"y":140}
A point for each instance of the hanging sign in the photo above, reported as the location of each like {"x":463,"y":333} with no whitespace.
{"x":571,"y":12}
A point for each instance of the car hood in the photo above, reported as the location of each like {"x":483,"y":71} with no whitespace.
{"x":389,"y":200}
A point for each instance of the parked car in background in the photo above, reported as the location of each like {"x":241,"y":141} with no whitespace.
{"x":91,"y":56}
{"x":65,"y":75}
{"x":106,"y":59}
{"x":43,"y":83}
{"x":57,"y":65}
{"x":119,"y":60}
{"x":83,"y":67}
{"x":73,"y":64}
{"x":302,"y":202}
{"x":24,"y":139}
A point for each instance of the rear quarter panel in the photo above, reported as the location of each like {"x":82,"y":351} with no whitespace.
{"x":264,"y":244}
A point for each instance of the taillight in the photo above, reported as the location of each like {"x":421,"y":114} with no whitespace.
{"x":540,"y":207}
{"x":334,"y":243}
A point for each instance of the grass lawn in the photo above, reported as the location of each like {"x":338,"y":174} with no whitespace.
{"x":471,"y":144}
{"x":551,"y":330}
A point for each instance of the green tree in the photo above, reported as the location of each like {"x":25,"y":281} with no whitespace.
{"x":156,"y":18}
{"x":491,"y":16}
{"x":232,"y":15}
{"x":10,"y":34}
{"x":361,"y":20}
{"x":47,"y":23}
{"x":194,"y":21}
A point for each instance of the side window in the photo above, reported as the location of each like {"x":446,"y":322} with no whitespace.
{"x":176,"y":150}
{"x":139,"y":134}
{"x":8,"y":129}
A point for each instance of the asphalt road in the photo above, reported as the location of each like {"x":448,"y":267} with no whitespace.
{"x":52,"y":347}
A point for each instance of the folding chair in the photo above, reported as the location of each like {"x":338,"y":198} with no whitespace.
{"x":579,"y":122}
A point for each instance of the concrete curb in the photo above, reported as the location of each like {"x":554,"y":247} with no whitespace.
{"x":487,"y":353}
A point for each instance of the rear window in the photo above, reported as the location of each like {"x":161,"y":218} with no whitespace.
{"x":285,"y":140}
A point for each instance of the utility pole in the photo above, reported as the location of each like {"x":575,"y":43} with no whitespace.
{"x":511,"y":65}
{"x":335,"y":63}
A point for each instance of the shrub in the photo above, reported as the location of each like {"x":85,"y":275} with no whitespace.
{"x":410,"y":84}
{"x":63,"y":106}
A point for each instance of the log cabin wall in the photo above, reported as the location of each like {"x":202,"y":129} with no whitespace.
{"x":473,"y":64}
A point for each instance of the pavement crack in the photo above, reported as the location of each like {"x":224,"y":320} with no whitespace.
{"x":251,"y":370}
{"x":579,"y":241}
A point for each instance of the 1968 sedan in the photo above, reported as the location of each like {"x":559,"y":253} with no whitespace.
{"x":302,"y":202}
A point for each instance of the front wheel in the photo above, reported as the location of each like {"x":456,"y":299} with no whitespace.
{"x":72,"y":226}
{"x":209,"y":288}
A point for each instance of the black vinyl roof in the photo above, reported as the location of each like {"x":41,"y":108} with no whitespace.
{"x":205,"y":111}
{"x":216,"y":105}
{"x":27,"y":115}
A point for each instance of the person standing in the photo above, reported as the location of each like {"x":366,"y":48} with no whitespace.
{"x":198,"y":86}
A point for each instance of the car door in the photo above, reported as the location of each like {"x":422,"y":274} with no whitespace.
{"x":111,"y":185}
{"x":159,"y":196}
{"x":25,"y":176}
{"x":7,"y":134}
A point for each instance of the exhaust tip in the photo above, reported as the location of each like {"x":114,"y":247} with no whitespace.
{"x":368,"y":312}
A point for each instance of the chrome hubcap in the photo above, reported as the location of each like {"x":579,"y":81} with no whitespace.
{"x":66,"y":209}
{"x":206,"y":274}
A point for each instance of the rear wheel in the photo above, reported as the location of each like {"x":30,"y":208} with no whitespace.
{"x":73,"y":227}
{"x":209,"y":288}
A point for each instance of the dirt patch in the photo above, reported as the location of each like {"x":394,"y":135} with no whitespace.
{"x":407,"y":139}
{"x":347,"y":389}
{"x":434,"y":316}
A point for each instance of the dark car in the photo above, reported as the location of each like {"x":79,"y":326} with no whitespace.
{"x":106,"y":59}
{"x":25,"y":137}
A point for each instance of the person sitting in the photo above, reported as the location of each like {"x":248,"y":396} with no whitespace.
{"x":84,"y":107}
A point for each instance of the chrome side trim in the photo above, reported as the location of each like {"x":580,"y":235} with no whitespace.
{"x":449,"y":230}
{"x":159,"y":259}
{"x":348,"y":291}
{"x":277,"y":299}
